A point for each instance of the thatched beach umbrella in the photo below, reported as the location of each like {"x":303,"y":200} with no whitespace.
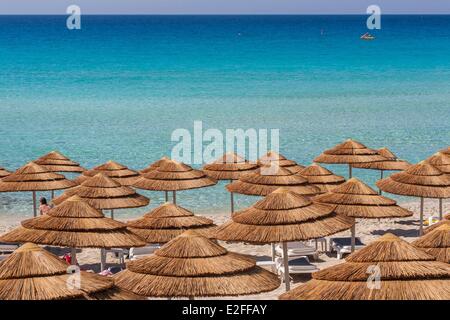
{"x":168,"y":221}
{"x":229,"y":167}
{"x":112,"y":169}
{"x":441,"y":161}
{"x":32,"y":273}
{"x":446,"y":151}
{"x":105,"y":193}
{"x":283,"y":216}
{"x":173,"y":176}
{"x":357,"y":200}
{"x":320,"y":177}
{"x":349,"y":152}
{"x":445,"y":220}
{"x":389,"y":268}
{"x":4,"y":172}
{"x":267,"y":179}
{"x":436,"y":243}
{"x":54,"y":161}
{"x":420,"y":180}
{"x":153,"y":165}
{"x":391,"y":163}
{"x":33,"y":177}
{"x":193,"y":266}
{"x":74,"y":224}
{"x":274,"y":158}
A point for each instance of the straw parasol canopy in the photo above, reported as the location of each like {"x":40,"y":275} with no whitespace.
{"x":446,"y":151}
{"x":153,"y":165}
{"x":436,"y":243}
{"x":193,"y":266}
{"x":356,"y":199}
{"x":33,"y":177}
{"x":56,"y":162}
{"x":267,"y":179}
{"x":320,"y":177}
{"x":229,"y":167}
{"x":74,"y":224}
{"x":273,"y":157}
{"x":390,"y":163}
{"x":112,"y":169}
{"x":421,"y":180}
{"x":283,"y":216}
{"x":104,"y":193}
{"x":173,"y":176}
{"x":441,"y":161}
{"x":445,"y":220}
{"x":4,"y":172}
{"x":32,"y":273}
{"x":403,"y":271}
{"x":349,"y":152}
{"x":168,"y":221}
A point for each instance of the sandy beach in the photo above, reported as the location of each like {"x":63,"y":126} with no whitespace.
{"x":367,"y":230}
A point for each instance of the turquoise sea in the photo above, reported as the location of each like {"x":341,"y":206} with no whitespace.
{"x":117,"y":88}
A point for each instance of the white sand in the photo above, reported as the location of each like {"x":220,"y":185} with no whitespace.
{"x":367,"y":230}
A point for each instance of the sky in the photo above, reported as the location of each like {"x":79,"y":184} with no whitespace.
{"x":224,"y":6}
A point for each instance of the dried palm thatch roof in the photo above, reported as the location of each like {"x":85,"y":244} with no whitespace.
{"x":33,"y":177}
{"x":168,"y":221}
{"x":283,"y":216}
{"x":273,"y":157}
{"x":391,"y":163}
{"x":229,"y":167}
{"x":322,"y":178}
{"x":349,"y":151}
{"x":4,"y":172}
{"x":441,"y":161}
{"x":54,"y":161}
{"x":419,"y":180}
{"x":406,"y":273}
{"x":112,"y":169}
{"x":267,"y":179}
{"x":75,"y":224}
{"x":446,"y":151}
{"x":445,"y":220}
{"x":32,"y":273}
{"x":193,"y":266}
{"x":172,"y":175}
{"x":356,"y":199}
{"x":154,"y":165}
{"x":103,"y":193}
{"x":436,"y":243}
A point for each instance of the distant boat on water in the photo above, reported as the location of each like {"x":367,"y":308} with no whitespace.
{"x":367,"y":36}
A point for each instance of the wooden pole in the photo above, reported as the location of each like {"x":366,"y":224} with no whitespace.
{"x":440,"y":209}
{"x":34,"y":204}
{"x":174,"y":197}
{"x":287,"y":281}
{"x":112,"y":213}
{"x":53,"y":194}
{"x":166,"y":194}
{"x":102,"y":259}
{"x":273,"y":251}
{"x":421,"y":216}
{"x":353,"y":236}
{"x":349,"y":171}
{"x":73,"y":256}
{"x":381,"y":177}
{"x":232,"y":198}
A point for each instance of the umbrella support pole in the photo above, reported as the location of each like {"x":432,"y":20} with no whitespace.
{"x":102,"y":259}
{"x":174,"y":197}
{"x":112,"y":213}
{"x":349,"y":171}
{"x":191,"y":298}
{"x":353,"y":230}
{"x":232,"y":198}
{"x":73,"y":256}
{"x":272,"y":245}
{"x":381,"y":177}
{"x":166,"y":195}
{"x":34,"y":204}
{"x":421,"y":216}
{"x":440,"y":209}
{"x":287,"y":281}
{"x":53,"y":194}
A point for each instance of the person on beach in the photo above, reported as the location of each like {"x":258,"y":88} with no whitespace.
{"x":43,"y":207}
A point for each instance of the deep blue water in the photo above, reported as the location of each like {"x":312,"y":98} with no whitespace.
{"x":117,"y":88}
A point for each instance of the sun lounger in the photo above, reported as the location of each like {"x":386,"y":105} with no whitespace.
{"x":119,"y":253}
{"x":8,"y":247}
{"x":297,"y":249}
{"x":299,"y":265}
{"x":136,"y":253}
{"x":344,"y":245}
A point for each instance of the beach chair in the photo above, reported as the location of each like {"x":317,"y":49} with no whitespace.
{"x":136,"y":253}
{"x":344,"y":245}
{"x":6,"y":248}
{"x":119,"y":253}
{"x":299,"y":265}
{"x":297,"y":249}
